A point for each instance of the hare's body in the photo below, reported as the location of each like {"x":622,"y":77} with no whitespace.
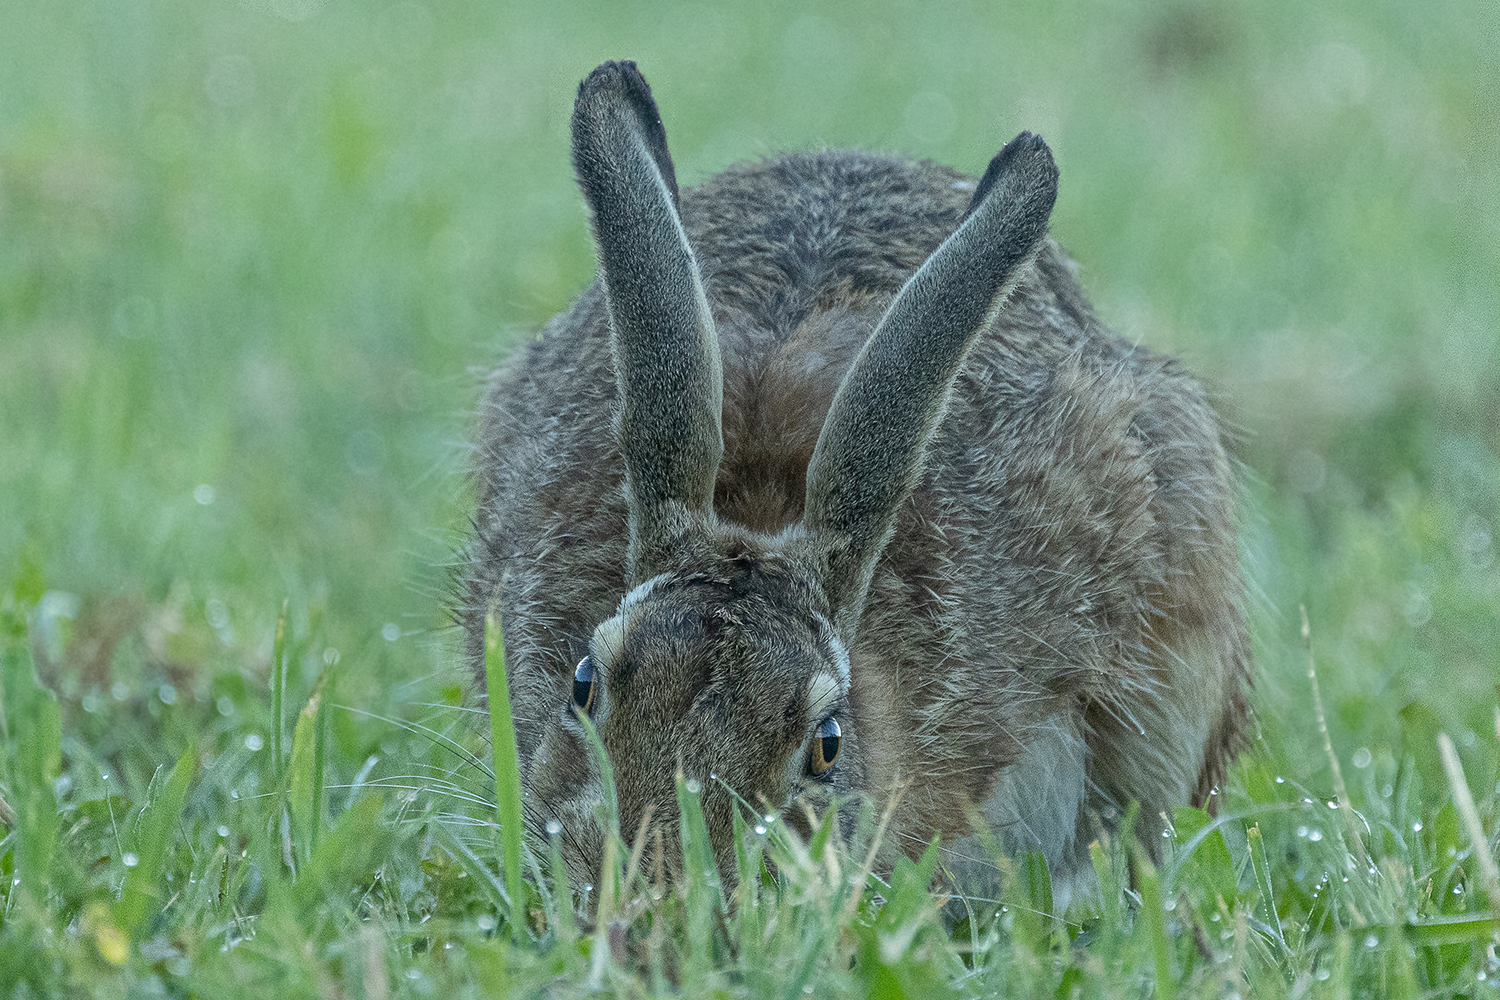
{"x":1053,"y":629}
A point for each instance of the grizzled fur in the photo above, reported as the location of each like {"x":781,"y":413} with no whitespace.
{"x":1005,"y":533}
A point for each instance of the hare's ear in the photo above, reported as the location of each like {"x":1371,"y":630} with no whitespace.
{"x":666,"y":353}
{"x":870,"y":451}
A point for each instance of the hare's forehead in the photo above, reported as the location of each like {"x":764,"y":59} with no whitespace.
{"x":829,"y":681}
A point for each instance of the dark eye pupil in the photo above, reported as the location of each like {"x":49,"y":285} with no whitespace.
{"x":583,"y":684}
{"x":825,"y":746}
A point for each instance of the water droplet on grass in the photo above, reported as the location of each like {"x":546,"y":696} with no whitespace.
{"x":205,"y":494}
{"x":253,"y":742}
{"x":223,"y":831}
{"x":390,"y":632}
{"x":487,"y":922}
{"x":130,"y":859}
{"x":553,"y":828}
{"x":1362,"y":757}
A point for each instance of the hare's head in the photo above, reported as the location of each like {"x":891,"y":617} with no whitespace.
{"x":727,"y":658}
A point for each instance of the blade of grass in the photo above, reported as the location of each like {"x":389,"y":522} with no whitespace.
{"x":507,"y":767}
{"x":140,"y":894}
{"x":562,"y":887}
{"x":700,"y":877}
{"x":1262,"y":868}
{"x":1463,"y":801}
{"x":1355,"y":842}
{"x":305,"y":773}
{"x":278,"y":694}
{"x":1156,"y":923}
{"x":34,"y":721}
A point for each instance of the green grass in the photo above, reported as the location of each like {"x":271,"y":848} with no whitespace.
{"x":251,"y":257}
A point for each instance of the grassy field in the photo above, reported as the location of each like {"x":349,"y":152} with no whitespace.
{"x":253,"y":257}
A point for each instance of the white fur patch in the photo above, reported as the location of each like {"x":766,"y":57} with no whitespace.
{"x":822,"y":694}
{"x":1034,"y":807}
{"x":638,"y":595}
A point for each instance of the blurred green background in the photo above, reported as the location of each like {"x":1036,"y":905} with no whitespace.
{"x":254,"y":257}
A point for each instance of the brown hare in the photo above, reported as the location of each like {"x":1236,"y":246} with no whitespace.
{"x":833,"y":484}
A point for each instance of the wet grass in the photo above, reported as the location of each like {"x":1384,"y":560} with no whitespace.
{"x":250,"y":257}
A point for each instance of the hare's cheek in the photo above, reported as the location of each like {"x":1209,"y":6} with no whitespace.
{"x":561,"y":771}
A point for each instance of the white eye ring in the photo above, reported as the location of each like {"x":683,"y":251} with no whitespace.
{"x":825,"y":746}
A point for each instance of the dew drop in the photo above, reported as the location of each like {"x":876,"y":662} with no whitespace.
{"x":693,"y":786}
{"x":1314,"y":835}
{"x":553,"y":828}
{"x":487,"y":922}
{"x":223,"y":831}
{"x":1333,"y":803}
{"x":760,"y":831}
{"x":253,"y":742}
{"x":1372,"y":940}
{"x":1362,"y":757}
{"x":130,"y":859}
{"x":1280,"y":780}
{"x":1416,"y":827}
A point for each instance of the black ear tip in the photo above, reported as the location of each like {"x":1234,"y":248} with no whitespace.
{"x":617,"y":76}
{"x":620,"y":81}
{"x":1026,"y":146}
{"x":617,"y":88}
{"x":1026,"y":154}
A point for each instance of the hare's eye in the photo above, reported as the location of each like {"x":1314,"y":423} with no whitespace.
{"x":825,"y":747}
{"x":583,"y":685}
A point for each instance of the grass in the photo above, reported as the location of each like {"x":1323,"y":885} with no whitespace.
{"x":251,"y":256}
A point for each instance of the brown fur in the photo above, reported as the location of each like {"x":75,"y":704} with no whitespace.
{"x":1067,"y":550}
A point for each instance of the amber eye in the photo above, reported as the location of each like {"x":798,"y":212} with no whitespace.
{"x":825,"y":747}
{"x":583,"y":685}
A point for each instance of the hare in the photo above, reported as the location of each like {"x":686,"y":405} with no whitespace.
{"x":833,"y":485}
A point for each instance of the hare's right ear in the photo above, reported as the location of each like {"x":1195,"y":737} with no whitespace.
{"x":870,"y":450}
{"x":666,"y":352}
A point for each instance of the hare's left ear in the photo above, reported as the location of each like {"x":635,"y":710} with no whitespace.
{"x":666,"y":352}
{"x":871,"y":447}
